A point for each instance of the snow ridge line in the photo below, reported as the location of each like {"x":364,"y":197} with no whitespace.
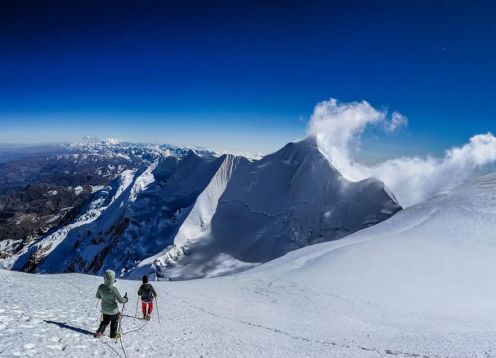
{"x":306,"y":339}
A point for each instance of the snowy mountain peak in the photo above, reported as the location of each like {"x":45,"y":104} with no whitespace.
{"x":254,"y":211}
{"x":196,"y":214}
{"x":299,"y":149}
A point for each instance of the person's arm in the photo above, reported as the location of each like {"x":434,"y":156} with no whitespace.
{"x":140,"y":292}
{"x":154,"y":292}
{"x":98,"y":293}
{"x":118,"y":296}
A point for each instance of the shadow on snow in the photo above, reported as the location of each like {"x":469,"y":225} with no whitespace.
{"x":72,"y":328}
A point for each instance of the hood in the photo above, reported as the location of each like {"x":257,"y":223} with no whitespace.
{"x":109,"y":278}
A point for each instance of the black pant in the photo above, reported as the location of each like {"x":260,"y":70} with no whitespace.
{"x":113,"y":320}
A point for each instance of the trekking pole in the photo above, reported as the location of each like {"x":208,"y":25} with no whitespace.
{"x":119,"y":329}
{"x":120,"y":318}
{"x":158,"y":313}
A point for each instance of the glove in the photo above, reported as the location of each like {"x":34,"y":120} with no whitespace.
{"x":125,"y":298}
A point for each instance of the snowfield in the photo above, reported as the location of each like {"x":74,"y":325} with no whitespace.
{"x":421,"y":284}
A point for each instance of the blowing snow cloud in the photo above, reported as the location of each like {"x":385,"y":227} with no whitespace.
{"x":338,"y":128}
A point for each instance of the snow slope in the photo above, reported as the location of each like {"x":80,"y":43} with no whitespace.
{"x":139,"y":220}
{"x":34,"y":254}
{"x":46,"y":188}
{"x":255,"y":211}
{"x":421,"y":284}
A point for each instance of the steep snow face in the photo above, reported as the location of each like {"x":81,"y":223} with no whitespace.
{"x":199,"y":219}
{"x":291,"y":199}
{"x":257,"y":211}
{"x":140,"y":220}
{"x":196,"y":232}
{"x":143,"y":181}
{"x":32,"y":255}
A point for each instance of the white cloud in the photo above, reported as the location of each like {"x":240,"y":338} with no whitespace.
{"x":338,"y":128}
{"x":397,"y":121}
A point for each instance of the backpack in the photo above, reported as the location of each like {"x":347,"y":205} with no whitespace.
{"x":146,"y":292}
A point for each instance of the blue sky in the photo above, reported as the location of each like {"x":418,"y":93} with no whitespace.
{"x":244,"y":75}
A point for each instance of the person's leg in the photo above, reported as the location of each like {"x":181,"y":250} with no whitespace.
{"x":114,"y":322}
{"x":143,"y":308}
{"x":150,"y":308}
{"x":103,"y":324}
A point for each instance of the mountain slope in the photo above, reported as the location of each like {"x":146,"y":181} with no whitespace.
{"x":420,"y":284}
{"x":291,"y":199}
{"x":255,"y":211}
{"x":202,"y":215}
{"x":45,"y":187}
{"x":144,"y":212}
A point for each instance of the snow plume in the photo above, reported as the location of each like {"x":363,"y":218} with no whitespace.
{"x":338,"y":127}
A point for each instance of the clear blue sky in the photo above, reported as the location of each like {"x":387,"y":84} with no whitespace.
{"x":243,"y":74}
